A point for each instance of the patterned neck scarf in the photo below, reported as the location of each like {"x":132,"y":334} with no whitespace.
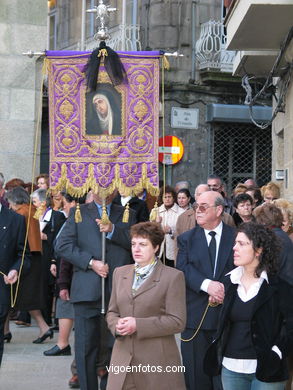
{"x":142,"y":273}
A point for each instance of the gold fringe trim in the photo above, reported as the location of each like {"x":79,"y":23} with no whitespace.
{"x":103,"y":53}
{"x":105,"y":219}
{"x":143,"y":183}
{"x":77,"y":215}
{"x":39,"y":212}
{"x":154,"y":213}
{"x":166,"y":63}
{"x":125,"y":217}
{"x":45,"y":67}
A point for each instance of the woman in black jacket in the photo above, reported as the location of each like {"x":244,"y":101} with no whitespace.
{"x":255,"y":331}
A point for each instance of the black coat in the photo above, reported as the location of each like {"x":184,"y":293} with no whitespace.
{"x":12,"y":238}
{"x":271,"y":324}
{"x":193,"y":260}
{"x":77,"y":243}
{"x":286,"y":255}
{"x":139,"y":206}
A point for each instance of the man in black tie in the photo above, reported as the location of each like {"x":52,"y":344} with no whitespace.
{"x":205,"y":255}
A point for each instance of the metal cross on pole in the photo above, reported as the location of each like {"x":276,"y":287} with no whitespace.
{"x":102,"y":11}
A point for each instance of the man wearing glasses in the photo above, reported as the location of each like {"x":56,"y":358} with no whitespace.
{"x":205,"y":256}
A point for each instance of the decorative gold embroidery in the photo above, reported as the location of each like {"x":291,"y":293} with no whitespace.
{"x":79,"y":161}
{"x":66,"y":109}
{"x":140,"y":109}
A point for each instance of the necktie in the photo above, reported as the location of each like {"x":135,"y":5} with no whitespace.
{"x":213,"y":250}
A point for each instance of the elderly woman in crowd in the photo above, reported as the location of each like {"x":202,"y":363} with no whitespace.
{"x":271,"y":217}
{"x":270,"y":192}
{"x":30,"y":297}
{"x":50,"y":224}
{"x":243,"y":204}
{"x":287,"y":210}
{"x":255,"y":329}
{"x":168,"y":214}
{"x":239,"y":189}
{"x":147,"y":307}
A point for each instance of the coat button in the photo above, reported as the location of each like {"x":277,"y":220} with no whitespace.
{"x":254,"y":336}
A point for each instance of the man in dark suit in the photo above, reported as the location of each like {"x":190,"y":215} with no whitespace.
{"x":12,"y":238}
{"x":205,"y":256}
{"x":81,"y":245}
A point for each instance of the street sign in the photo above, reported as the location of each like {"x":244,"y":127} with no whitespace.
{"x":171,"y":150}
{"x":184,"y":118}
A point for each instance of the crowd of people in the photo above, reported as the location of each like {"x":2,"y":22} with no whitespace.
{"x":216,"y":269}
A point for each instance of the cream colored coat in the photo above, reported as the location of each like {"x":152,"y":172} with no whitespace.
{"x":160,"y":311}
{"x":169,"y":218}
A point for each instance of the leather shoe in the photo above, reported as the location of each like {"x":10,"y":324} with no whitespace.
{"x":7,"y":337}
{"x":56,"y":351}
{"x":49,"y":333}
{"x":74,"y":382}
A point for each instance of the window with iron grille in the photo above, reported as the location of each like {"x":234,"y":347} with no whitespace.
{"x":240,"y":151}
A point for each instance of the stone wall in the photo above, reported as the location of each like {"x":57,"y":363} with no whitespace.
{"x":23,"y":27}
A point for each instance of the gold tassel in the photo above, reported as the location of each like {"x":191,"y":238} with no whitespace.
{"x":105,"y":219}
{"x":125,"y":218}
{"x":154,"y":213}
{"x":39,"y":212}
{"x":166,"y":63}
{"x":103,"y":53}
{"x":77,"y":215}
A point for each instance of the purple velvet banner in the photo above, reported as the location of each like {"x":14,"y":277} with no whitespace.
{"x":105,"y":139}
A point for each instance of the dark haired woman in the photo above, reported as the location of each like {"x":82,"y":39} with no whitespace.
{"x":243,"y":204}
{"x":183,"y":199}
{"x":255,"y":331}
{"x":146,"y":309}
{"x":168,"y":214}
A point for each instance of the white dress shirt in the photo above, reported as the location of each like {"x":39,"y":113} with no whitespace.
{"x":246,"y":366}
{"x":218,"y":230}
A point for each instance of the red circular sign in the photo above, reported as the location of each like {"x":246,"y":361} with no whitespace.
{"x":171,"y":150}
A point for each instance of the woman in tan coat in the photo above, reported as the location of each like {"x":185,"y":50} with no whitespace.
{"x":146,"y":309}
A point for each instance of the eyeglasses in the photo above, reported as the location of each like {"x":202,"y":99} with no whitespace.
{"x":214,"y":187}
{"x":202,"y":207}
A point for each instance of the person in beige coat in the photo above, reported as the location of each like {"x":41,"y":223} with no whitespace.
{"x":147,"y":308}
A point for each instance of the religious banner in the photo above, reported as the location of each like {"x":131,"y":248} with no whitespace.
{"x":105,"y":139}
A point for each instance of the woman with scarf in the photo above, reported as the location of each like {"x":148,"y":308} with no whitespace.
{"x":147,"y":307}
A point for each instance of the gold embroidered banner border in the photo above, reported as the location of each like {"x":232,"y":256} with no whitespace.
{"x":86,"y":153}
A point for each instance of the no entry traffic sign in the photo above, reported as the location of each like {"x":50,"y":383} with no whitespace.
{"x":171,"y":150}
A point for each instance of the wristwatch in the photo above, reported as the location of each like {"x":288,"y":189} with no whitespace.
{"x":90,"y":265}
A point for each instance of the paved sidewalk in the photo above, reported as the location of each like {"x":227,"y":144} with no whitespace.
{"x":24,"y":367}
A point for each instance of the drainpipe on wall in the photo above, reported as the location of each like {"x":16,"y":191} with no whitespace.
{"x":193,"y":39}
{"x":82,"y":37}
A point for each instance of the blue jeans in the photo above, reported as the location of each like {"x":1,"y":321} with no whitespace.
{"x":232,"y":380}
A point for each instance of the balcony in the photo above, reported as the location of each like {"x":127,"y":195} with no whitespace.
{"x":210,"y":50}
{"x":254,"y":25}
{"x":123,"y":37}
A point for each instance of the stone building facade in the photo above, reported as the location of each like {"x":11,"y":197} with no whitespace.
{"x":223,"y":142}
{"x":266,"y":51}
{"x":23,"y":27}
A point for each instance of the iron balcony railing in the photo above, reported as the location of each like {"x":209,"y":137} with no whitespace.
{"x":123,"y":37}
{"x":210,"y":49}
